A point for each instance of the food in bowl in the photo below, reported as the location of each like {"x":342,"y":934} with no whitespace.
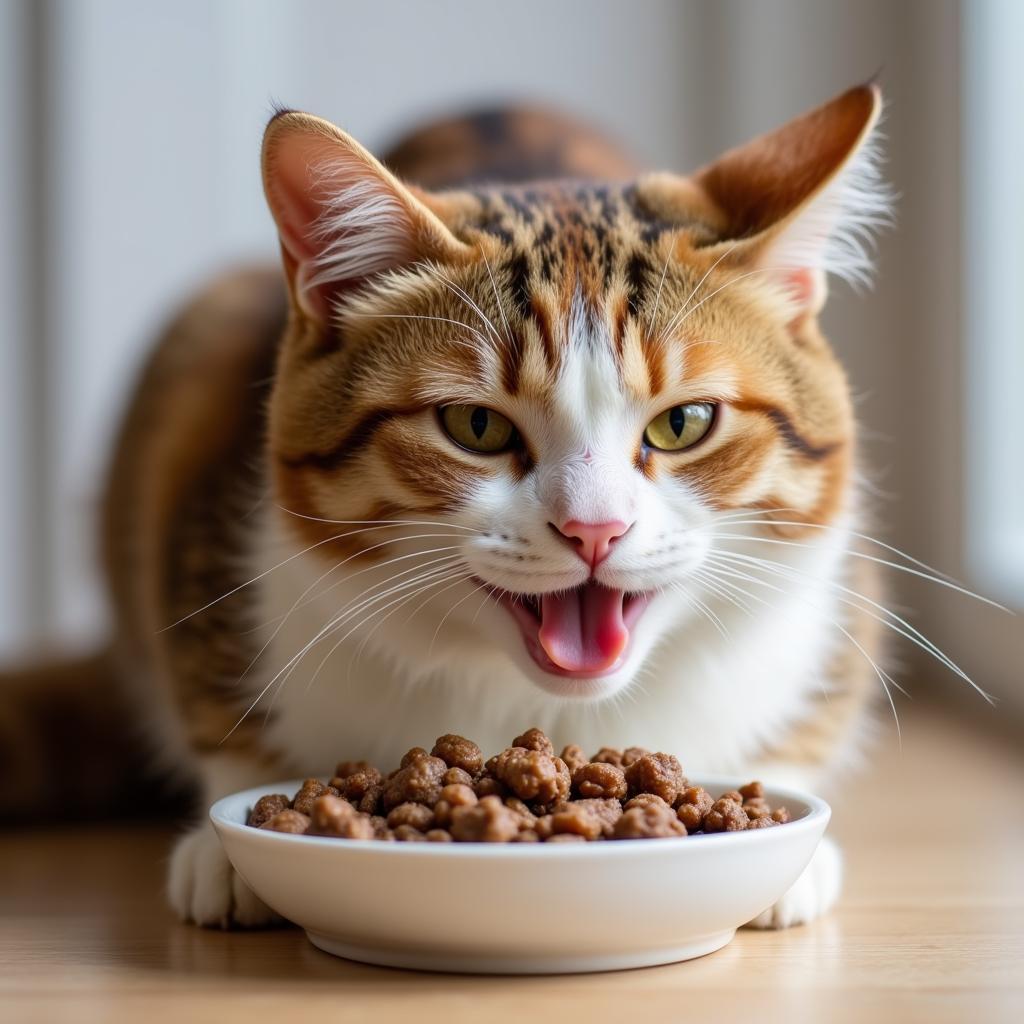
{"x":524,"y":794}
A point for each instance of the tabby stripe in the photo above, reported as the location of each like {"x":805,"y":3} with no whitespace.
{"x":655,"y":366}
{"x":350,"y":444}
{"x":790,"y":435}
{"x":547,"y":337}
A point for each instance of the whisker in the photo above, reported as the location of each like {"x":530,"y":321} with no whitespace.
{"x":497,"y":298}
{"x":882,"y":675}
{"x":871,"y":558}
{"x":697,"y":287}
{"x":909,"y":631}
{"x":381,"y":525}
{"x":386,"y":522}
{"x":325,"y":631}
{"x":300,"y":603}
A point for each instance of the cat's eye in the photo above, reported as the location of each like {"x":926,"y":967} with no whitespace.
{"x":680,"y":427}
{"x":478,"y":428}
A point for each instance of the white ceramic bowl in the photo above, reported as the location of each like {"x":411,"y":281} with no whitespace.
{"x":523,"y":908}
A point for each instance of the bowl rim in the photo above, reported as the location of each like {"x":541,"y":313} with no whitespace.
{"x":223,"y":814}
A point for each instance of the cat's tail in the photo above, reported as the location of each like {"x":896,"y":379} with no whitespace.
{"x":68,"y":747}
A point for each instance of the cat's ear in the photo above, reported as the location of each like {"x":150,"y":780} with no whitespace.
{"x":341,"y":215}
{"x":801,"y":202}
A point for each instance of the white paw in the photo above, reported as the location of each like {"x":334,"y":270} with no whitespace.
{"x":204,"y":888}
{"x":811,"y":895}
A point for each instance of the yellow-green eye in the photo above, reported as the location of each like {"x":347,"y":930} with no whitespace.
{"x":680,"y":427}
{"x":478,"y":428}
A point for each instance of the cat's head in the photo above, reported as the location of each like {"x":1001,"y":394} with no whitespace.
{"x":525,"y":417}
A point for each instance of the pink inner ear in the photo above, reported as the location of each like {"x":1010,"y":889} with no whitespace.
{"x":339,"y":219}
{"x":295,"y":199}
{"x":806,"y":286}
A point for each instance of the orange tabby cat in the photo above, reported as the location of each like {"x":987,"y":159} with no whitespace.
{"x":569,"y":450}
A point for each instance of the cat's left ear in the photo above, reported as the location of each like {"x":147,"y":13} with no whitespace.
{"x":342,"y":216}
{"x":800,"y":203}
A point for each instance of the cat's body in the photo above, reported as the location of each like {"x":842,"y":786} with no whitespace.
{"x":317,"y":468}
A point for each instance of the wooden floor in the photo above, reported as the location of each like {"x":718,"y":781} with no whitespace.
{"x":930,"y":927}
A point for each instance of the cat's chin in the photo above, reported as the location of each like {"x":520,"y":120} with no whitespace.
{"x":586,"y":674}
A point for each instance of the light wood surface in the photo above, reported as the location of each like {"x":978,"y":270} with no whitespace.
{"x":929,"y":929}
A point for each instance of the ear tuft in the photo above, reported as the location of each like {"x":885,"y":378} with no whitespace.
{"x":362,"y":230}
{"x":835,"y":231}
{"x":341,"y":215}
{"x":804,"y":201}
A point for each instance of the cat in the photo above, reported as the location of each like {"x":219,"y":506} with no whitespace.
{"x":566,"y":450}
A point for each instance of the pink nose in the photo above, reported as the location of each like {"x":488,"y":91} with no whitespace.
{"x":592,"y":541}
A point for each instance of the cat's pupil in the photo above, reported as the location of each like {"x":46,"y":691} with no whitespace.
{"x":676,"y":419}
{"x":478,"y":421}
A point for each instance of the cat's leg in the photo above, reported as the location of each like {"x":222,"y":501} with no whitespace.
{"x":811,"y":895}
{"x":202,"y":885}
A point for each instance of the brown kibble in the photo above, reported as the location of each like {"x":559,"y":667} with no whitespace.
{"x":573,"y":757}
{"x":524,"y":793}
{"x":287,"y":820}
{"x":333,"y":816}
{"x":645,"y":800}
{"x":455,"y":795}
{"x":534,"y":776}
{"x":691,"y":806}
{"x":534,"y":739}
{"x":370,"y":801}
{"x":310,"y":790}
{"x":457,"y":777}
{"x":633,"y":754}
{"x":577,"y":821}
{"x":652,"y":821}
{"x":488,"y":785}
{"x":458,"y":752}
{"x":487,"y":821}
{"x":355,"y":786}
{"x":607,"y":811}
{"x":527,"y":818}
{"x":757,"y":807}
{"x":418,"y":782}
{"x":380,"y":827}
{"x":266,"y":807}
{"x":726,"y":815}
{"x":408,"y":834}
{"x":346,"y":768}
{"x":418,"y":816}
{"x":412,"y":755}
{"x":599,"y":781}
{"x":660,"y":774}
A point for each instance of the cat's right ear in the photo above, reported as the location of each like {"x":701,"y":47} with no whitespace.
{"x":341,"y":215}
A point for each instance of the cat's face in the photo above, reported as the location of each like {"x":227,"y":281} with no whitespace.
{"x":525,"y":419}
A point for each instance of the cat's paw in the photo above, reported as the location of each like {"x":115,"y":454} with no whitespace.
{"x":204,"y":888}
{"x":811,"y":895}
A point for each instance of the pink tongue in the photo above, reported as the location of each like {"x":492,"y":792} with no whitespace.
{"x":582,"y":630}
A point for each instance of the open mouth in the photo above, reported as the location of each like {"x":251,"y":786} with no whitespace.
{"x":584,"y":632}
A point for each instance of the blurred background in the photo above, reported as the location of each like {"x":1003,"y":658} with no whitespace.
{"x":129,"y":173}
